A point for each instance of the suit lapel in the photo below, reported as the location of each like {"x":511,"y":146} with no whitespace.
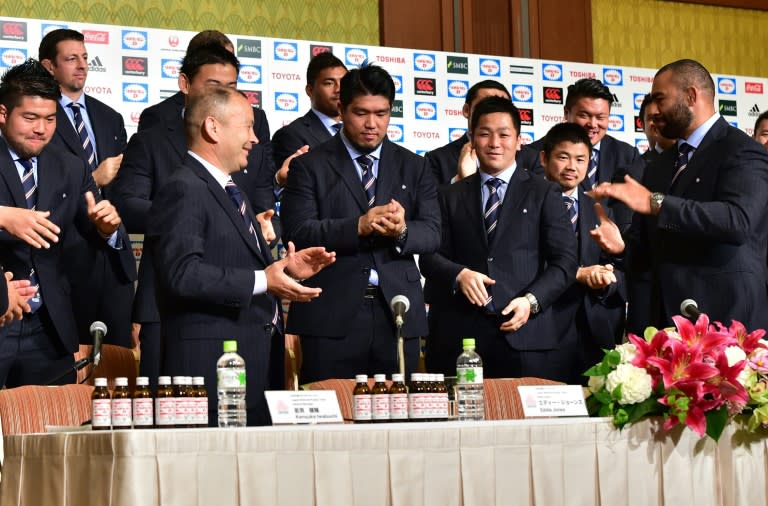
{"x":48,"y":175}
{"x":316,"y":127}
{"x":343,"y":165}
{"x":177,"y":137}
{"x":471,"y":202}
{"x":10,"y":175}
{"x":587,"y":221}
{"x":388,"y":169}
{"x":67,"y":132}
{"x":517,"y":188}
{"x":697,"y":160}
{"x":96,"y":120}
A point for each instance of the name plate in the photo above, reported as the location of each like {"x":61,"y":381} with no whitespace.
{"x":553,"y":400}
{"x":303,"y":407}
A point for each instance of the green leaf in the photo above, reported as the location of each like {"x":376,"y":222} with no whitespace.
{"x":716,"y":421}
{"x":603,"y":396}
{"x":616,"y":394}
{"x":650,"y":406}
{"x":595,"y":370}
{"x":612,"y":358}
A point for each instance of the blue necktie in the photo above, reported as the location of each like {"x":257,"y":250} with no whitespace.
{"x":336,"y":127}
{"x":83,"y":134}
{"x":573,"y":211}
{"x":492,"y":207}
{"x":681,"y":162}
{"x":369,"y":182}
{"x":30,"y":193}
{"x":592,"y":172}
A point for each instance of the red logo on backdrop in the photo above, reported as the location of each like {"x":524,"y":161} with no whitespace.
{"x":173,"y":40}
{"x":96,"y":37}
{"x":135,"y":117}
{"x":638,"y":124}
{"x":13,"y":30}
{"x":753,"y":87}
{"x":134,"y":66}
{"x":424,"y":86}
{"x":315,"y":49}
{"x":553,"y":95}
{"x":253,"y":96}
{"x":526,"y":117}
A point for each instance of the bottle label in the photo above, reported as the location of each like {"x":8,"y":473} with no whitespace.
{"x":231,"y":378}
{"x":362,"y":407}
{"x":201,"y":410}
{"x":442,"y":410}
{"x":185,"y":410}
{"x":417,"y":406}
{"x":398,"y":406}
{"x":165,"y":411}
{"x":142,"y":412}
{"x":381,"y":407}
{"x":102,"y":413}
{"x":469,"y":375}
{"x":121,"y":412}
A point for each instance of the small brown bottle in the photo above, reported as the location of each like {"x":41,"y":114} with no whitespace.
{"x":165,"y":404}
{"x":121,"y":405}
{"x":442,"y":398}
{"x":201,"y":401}
{"x":398,"y":399}
{"x":362,"y":400}
{"x":101,"y":415}
{"x":143,"y":412}
{"x":181,"y":397}
{"x":380,"y":399}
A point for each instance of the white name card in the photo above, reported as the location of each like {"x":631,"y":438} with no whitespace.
{"x":553,"y":400}
{"x":305,"y":406}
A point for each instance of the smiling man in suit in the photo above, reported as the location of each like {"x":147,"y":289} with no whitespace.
{"x":215,"y":276}
{"x":37,"y":175}
{"x":701,"y":227}
{"x":375,"y":204}
{"x":94,"y":132}
{"x":508,"y":252}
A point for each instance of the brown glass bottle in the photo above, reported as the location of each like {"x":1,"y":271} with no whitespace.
{"x":143,"y":405}
{"x":101,"y":414}
{"x":398,"y":399}
{"x":121,"y":405}
{"x":201,"y":401}
{"x":361,"y":396}
{"x":165,"y":404}
{"x":442,"y":398}
{"x":380,"y":399}
{"x":416,"y":398}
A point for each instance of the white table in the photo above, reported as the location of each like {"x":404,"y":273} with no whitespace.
{"x":538,"y":462}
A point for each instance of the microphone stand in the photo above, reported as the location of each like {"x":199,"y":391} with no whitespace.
{"x":76,"y":367}
{"x":400,"y":346}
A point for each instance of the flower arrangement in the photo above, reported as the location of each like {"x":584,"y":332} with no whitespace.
{"x":699,"y":375}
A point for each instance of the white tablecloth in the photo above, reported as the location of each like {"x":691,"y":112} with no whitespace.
{"x":543,"y":462}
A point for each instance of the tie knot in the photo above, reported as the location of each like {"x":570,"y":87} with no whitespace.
{"x":365,"y":161}
{"x":26,"y":163}
{"x":569,"y":201}
{"x":684,"y":148}
{"x":494,"y":183}
{"x":74,"y":106}
{"x":336,"y":127}
{"x":232,"y":188}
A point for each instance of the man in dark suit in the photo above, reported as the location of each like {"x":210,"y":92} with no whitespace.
{"x":215,"y":275}
{"x":760,"y":133}
{"x":36,"y":175}
{"x":375,"y":204}
{"x":150,"y":159}
{"x":94,"y":132}
{"x":508,"y":252}
{"x":588,"y":104}
{"x":700,"y":228}
{"x":322,"y":121}
{"x":596,"y":302}
{"x":657,"y":143}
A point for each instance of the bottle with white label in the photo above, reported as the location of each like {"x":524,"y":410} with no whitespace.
{"x":398,"y":399}
{"x":230,"y":374}
{"x":121,"y":405}
{"x":361,"y":396}
{"x":101,"y":415}
{"x":143,"y":405}
{"x":165,"y":403}
{"x":417,"y":398}
{"x":201,"y":401}
{"x":442,"y":398}
{"x":380,"y":399}
{"x":470,"y":398}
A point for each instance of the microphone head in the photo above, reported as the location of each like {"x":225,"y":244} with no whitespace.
{"x":686,"y":306}
{"x":402,"y":299}
{"x":100,"y":326}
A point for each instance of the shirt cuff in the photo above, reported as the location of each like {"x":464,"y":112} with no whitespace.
{"x":259,"y":283}
{"x":115,"y":241}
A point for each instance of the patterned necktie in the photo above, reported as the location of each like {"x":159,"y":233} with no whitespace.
{"x":592,"y":172}
{"x":492,"y":207}
{"x":336,"y":127}
{"x":369,"y":182}
{"x":83,"y":134}
{"x":681,"y":162}
{"x":30,"y":193}
{"x":573,"y":212}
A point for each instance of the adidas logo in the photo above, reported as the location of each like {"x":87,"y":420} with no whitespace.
{"x":96,"y":66}
{"x":616,"y":102}
{"x":754,"y":111}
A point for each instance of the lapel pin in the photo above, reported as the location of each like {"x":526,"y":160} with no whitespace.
{"x":63,"y":195}
{"x":245,"y":171}
{"x":404,"y":187}
{"x":698,"y":180}
{"x":525,"y":211}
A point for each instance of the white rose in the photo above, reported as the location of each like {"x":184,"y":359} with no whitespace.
{"x":595,"y":383}
{"x":734,"y":354}
{"x":635,"y":383}
{"x":627,"y":352}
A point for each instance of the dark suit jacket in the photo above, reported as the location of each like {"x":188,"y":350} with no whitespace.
{"x":90,"y":269}
{"x":205,"y":259}
{"x":534,"y":250}
{"x":62,"y":181}
{"x":306,"y":130}
{"x":151,"y":158}
{"x":444,"y":160}
{"x":709,"y":240}
{"x":321,"y":205}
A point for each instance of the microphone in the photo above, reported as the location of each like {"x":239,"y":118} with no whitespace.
{"x":98,"y":331}
{"x":400,"y":305}
{"x":690,"y":309}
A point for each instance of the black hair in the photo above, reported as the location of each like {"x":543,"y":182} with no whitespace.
{"x":488,"y":84}
{"x":565,"y":132}
{"x":690,"y":73}
{"x":320,"y":62}
{"x":490,"y":105}
{"x":763,"y":116}
{"x":587,"y":88}
{"x":208,"y":37}
{"x":48,"y":48}
{"x":205,"y":55}
{"x":646,"y":102}
{"x":367,"y":80}
{"x":28,"y":79}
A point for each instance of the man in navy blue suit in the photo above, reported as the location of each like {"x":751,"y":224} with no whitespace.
{"x":700,"y":228}
{"x":94,"y":132}
{"x":508,"y":252}
{"x":215,"y":276}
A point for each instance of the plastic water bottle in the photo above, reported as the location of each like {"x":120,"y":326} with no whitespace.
{"x":230,"y":373}
{"x":470,"y":397}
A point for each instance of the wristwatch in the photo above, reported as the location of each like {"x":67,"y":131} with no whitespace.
{"x":403,"y":234}
{"x":533,"y":301}
{"x":656,"y":200}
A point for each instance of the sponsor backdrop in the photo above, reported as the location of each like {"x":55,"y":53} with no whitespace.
{"x":131,"y":68}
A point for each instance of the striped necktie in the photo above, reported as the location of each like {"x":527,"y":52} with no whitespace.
{"x":592,"y":172}
{"x":492,"y":207}
{"x":83,"y":134}
{"x":571,"y":206}
{"x":30,"y":193}
{"x":369,"y":182}
{"x":681,"y":162}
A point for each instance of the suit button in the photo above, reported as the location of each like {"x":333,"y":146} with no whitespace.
{"x":490,"y":259}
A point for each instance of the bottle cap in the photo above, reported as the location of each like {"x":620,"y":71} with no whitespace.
{"x":188,"y":380}
{"x":361,"y":378}
{"x":142,"y":381}
{"x":415,"y":376}
{"x":121,"y":382}
{"x":178,"y":380}
{"x":198,"y":380}
{"x":164,"y":380}
{"x":100,"y":382}
{"x":468,"y":342}
{"x":397,"y":377}
{"x":230,"y":346}
{"x":440,"y":377}
{"x":379,"y":378}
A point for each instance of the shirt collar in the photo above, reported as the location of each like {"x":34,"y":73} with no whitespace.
{"x":355,"y":153}
{"x":215,"y":172}
{"x":596,"y":147}
{"x":325,"y":119}
{"x":65,"y":101}
{"x":505,"y":175}
{"x":698,"y":135}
